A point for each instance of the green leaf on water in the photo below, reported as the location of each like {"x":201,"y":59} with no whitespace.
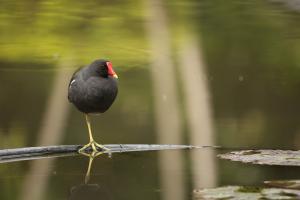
{"x":265,"y":157}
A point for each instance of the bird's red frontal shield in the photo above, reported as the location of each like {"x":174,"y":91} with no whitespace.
{"x":110,"y":70}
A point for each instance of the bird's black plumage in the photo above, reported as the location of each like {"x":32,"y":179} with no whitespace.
{"x":92,"y":89}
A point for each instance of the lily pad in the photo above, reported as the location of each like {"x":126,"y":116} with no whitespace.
{"x":265,"y":157}
{"x":289,"y":184}
{"x":245,"y":193}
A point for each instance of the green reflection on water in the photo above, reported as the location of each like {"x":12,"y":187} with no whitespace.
{"x":43,"y":31}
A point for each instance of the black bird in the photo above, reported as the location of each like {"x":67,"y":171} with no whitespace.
{"x":93,"y":89}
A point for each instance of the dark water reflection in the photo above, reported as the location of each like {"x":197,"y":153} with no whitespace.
{"x":207,"y":72}
{"x":124,"y":176}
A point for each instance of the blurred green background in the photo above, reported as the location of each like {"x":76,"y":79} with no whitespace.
{"x":206,"y":72}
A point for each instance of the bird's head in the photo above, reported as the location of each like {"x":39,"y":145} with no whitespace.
{"x":104,"y":68}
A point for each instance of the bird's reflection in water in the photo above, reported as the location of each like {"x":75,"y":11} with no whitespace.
{"x":89,"y":190}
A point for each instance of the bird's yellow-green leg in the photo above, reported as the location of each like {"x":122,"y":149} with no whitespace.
{"x":92,"y":142}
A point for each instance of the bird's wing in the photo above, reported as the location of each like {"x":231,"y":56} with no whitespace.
{"x":75,"y":75}
{"x":72,"y":83}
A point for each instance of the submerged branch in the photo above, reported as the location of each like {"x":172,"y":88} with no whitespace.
{"x":30,"y":153}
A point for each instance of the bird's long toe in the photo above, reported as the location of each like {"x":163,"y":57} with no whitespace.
{"x":84,"y":148}
{"x":103,"y":148}
{"x":94,"y":147}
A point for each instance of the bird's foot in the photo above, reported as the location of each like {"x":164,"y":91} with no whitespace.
{"x":95,"y":152}
{"x":92,"y":154}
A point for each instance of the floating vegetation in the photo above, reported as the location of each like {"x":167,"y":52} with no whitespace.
{"x":288,"y":184}
{"x":245,"y":193}
{"x":265,"y":157}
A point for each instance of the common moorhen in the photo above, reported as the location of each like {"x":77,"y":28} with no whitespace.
{"x":93,"y":89}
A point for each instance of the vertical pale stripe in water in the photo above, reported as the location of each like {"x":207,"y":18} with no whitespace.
{"x":167,"y":114}
{"x":51,"y":133}
{"x":198,"y":110}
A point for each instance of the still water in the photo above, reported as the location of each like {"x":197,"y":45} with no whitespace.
{"x":204,"y":72}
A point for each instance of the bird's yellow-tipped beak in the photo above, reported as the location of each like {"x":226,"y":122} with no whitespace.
{"x":115,"y":76}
